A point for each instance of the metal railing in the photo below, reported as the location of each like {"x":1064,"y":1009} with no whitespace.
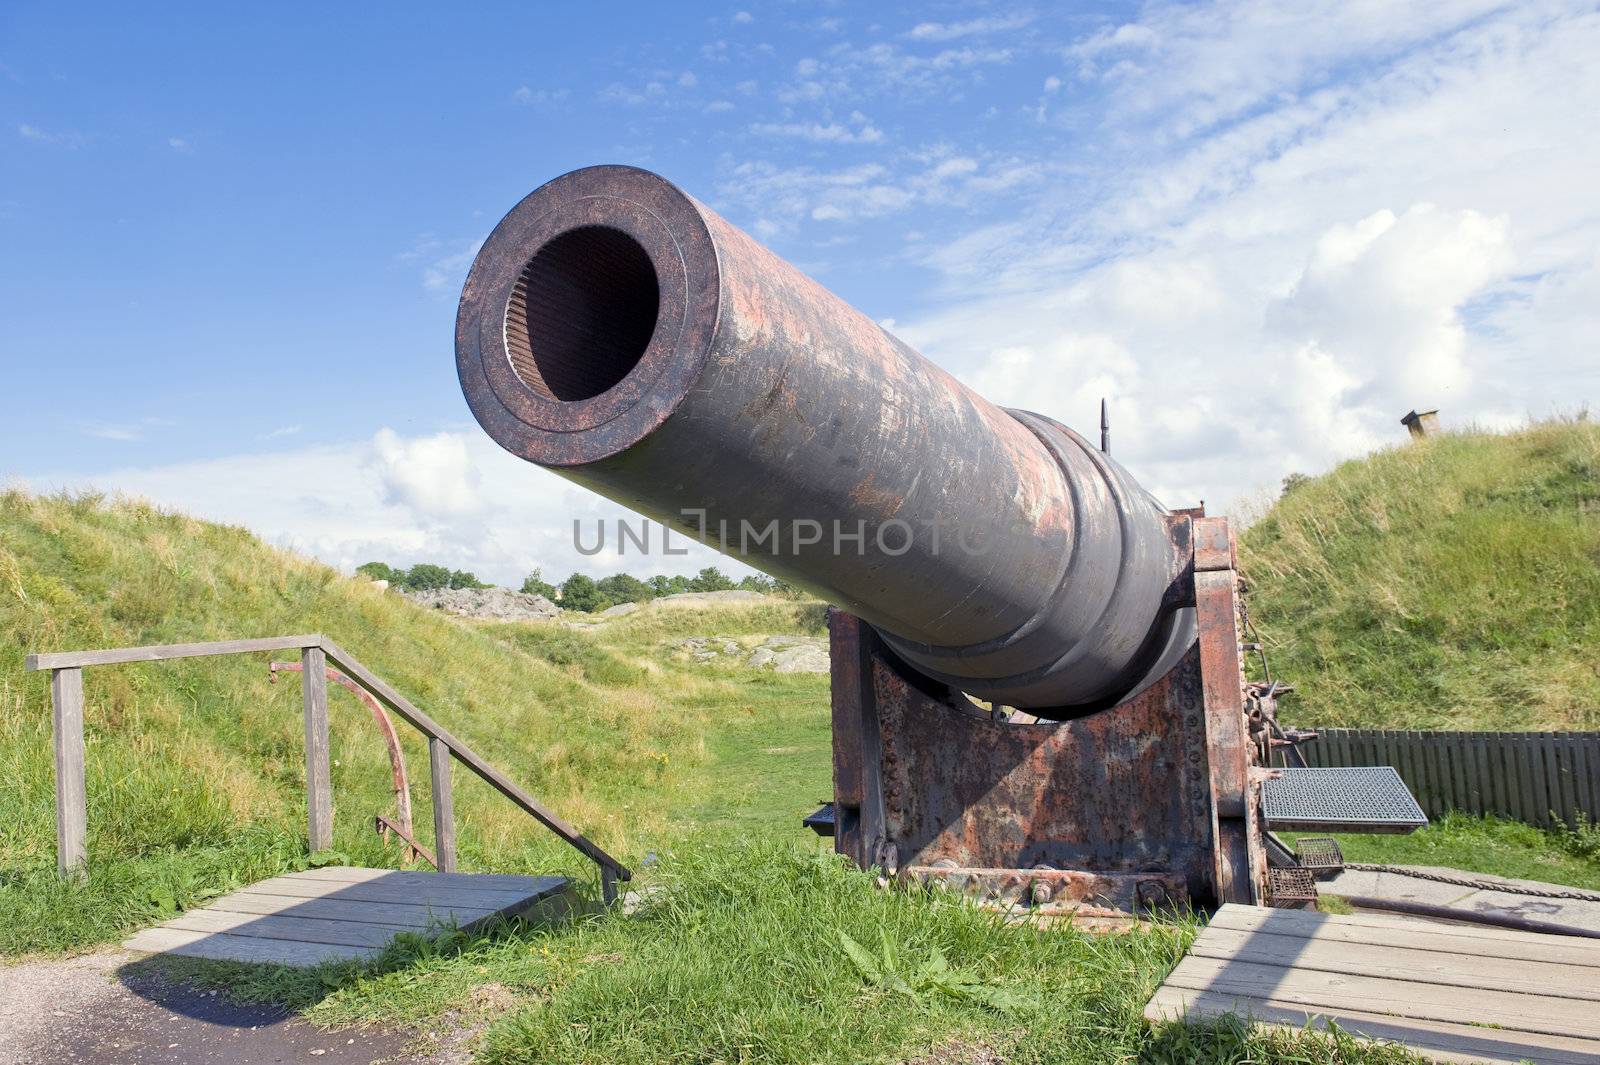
{"x":316,"y":653}
{"x":1542,"y":778}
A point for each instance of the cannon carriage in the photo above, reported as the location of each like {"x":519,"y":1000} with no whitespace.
{"x":1037,"y":689}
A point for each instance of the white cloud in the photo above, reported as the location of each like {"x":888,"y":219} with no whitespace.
{"x":64,"y":139}
{"x":454,"y":498}
{"x":431,"y":475}
{"x":125,"y":432}
{"x":829,"y":133}
{"x":528,"y":96}
{"x":1194,"y":65}
{"x":444,"y":263}
{"x":784,"y":196}
{"x":949,"y":31}
{"x":743,"y":18}
{"x":1266,"y":276}
{"x":120,"y":433}
{"x":180,"y":144}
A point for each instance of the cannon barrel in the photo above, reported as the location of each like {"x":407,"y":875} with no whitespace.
{"x":618,"y":331}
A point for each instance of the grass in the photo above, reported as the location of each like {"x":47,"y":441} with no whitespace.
{"x":1488,"y":845}
{"x":745,"y":957}
{"x":195,"y":770}
{"x":696,"y":774}
{"x":1448,"y":583}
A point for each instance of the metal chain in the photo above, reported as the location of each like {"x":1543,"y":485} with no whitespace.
{"x":1481,"y":885}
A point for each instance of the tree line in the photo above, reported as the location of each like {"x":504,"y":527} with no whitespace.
{"x":423,"y":577}
{"x":579,"y":591}
{"x":582,"y":592}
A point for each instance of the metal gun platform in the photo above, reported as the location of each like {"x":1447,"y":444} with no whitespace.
{"x":1346,"y":799}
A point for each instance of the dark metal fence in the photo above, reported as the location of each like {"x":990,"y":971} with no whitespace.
{"x":1543,"y":778}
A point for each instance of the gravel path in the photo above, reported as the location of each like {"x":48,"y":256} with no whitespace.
{"x":93,"y":1010}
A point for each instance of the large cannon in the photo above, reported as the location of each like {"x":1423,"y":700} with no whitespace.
{"x":618,"y":331}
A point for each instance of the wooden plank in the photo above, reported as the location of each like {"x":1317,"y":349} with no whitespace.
{"x":1477,"y":775}
{"x":444,"y":811}
{"x":1567,"y":758}
{"x":1414,"y":765}
{"x":1396,"y":962}
{"x":1538,"y":742}
{"x":354,"y":874}
{"x":319,"y":782}
{"x":405,"y":894}
{"x":1439,"y":755}
{"x":1566,"y":762}
{"x":1409,"y":756}
{"x":417,"y":917}
{"x":492,"y":776}
{"x":165,"y":652}
{"x":300,"y":929}
{"x":223,"y":947}
{"x":1413,"y":933}
{"x":1339,"y":991}
{"x":1591,"y":760}
{"x":1520,"y":796}
{"x":72,"y":813}
{"x":1536,"y":810}
{"x":1491,"y":783}
{"x":1503,"y":777}
{"x":1441,"y":1040}
{"x":1336,"y":752}
{"x":1581,"y":809}
{"x":1460,"y":772}
{"x":1549,"y":756}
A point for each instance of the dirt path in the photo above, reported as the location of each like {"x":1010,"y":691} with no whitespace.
{"x":92,"y":1010}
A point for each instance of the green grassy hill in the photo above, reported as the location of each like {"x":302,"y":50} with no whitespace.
{"x":1455,"y":582}
{"x":695,"y":773}
{"x":1450,"y":583}
{"x":195,"y":767}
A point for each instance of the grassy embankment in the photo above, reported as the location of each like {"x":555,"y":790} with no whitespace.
{"x":1453,"y":583}
{"x":1448,"y":584}
{"x":694,"y":773}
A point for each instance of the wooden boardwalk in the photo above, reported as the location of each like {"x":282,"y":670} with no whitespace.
{"x":1452,"y":992}
{"x":340,"y":912}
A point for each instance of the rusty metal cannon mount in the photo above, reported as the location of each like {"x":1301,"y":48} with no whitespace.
{"x":621,"y":333}
{"x":1151,"y":804}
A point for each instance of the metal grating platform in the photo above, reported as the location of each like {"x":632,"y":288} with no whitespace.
{"x":1344,"y":799}
{"x":1291,"y":888}
{"x":821,"y":822}
{"x":1319,"y":854}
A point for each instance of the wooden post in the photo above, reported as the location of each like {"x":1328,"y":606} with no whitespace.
{"x":608,"y":885}
{"x":319,"y":783}
{"x":444,"y":814}
{"x":66,"y":699}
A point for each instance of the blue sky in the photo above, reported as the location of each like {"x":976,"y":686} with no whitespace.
{"x":233,"y":237}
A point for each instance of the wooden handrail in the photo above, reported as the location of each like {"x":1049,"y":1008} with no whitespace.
{"x":469,"y":758}
{"x":163,"y":652}
{"x":67,"y":703}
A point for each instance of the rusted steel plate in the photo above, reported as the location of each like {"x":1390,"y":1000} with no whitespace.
{"x":1049,"y":891}
{"x":1121,"y":792}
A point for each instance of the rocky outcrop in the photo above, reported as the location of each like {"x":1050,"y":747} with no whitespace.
{"x":792,"y":654}
{"x":687,"y":600}
{"x":781,"y":654}
{"x":487,"y":604}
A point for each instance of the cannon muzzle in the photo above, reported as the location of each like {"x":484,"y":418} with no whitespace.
{"x":621,"y":333}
